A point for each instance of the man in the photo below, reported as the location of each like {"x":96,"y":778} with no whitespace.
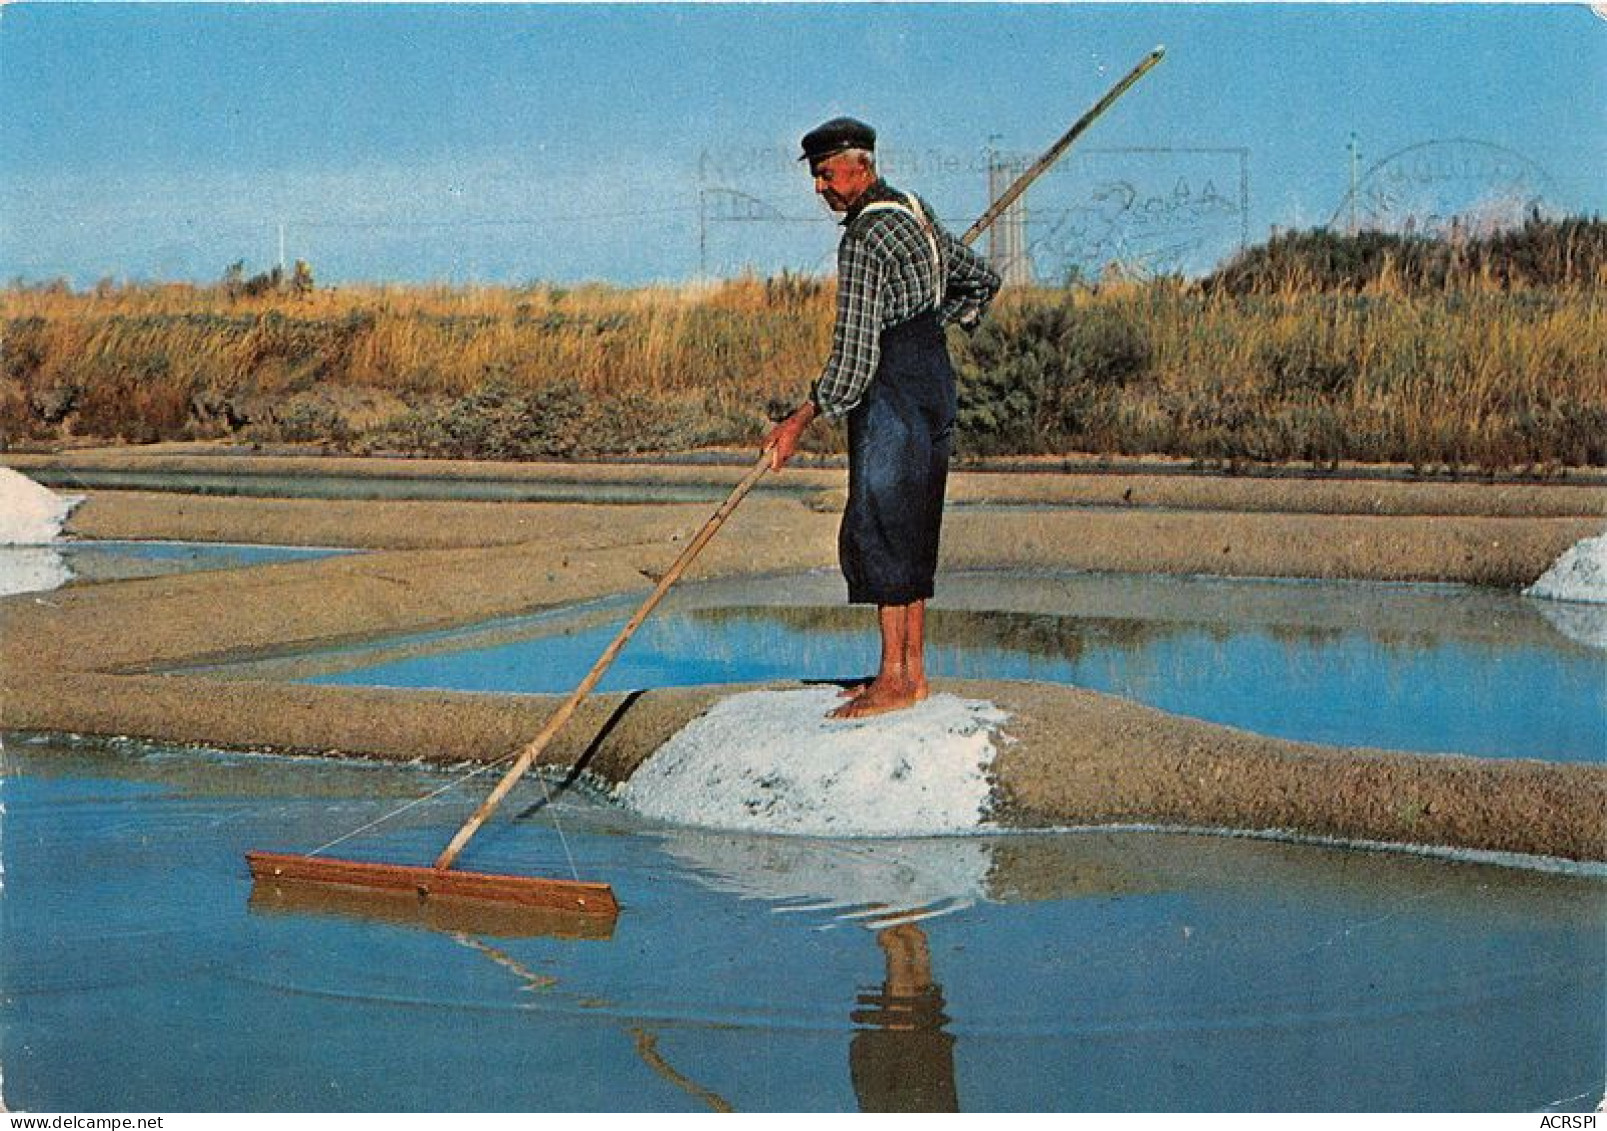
{"x":900,"y":279}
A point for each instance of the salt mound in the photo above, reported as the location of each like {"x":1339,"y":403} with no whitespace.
{"x":1579,"y":577}
{"x":30,"y":515}
{"x":771,"y":761}
{"x":1573,"y":593}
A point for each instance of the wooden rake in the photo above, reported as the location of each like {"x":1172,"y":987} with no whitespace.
{"x":441,"y":879}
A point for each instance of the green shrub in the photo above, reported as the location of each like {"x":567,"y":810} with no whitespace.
{"x":1037,"y":377}
{"x":307,"y":420}
{"x":498,"y":421}
{"x":1541,"y":253}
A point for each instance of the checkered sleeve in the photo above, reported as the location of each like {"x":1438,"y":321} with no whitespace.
{"x":970,"y":283}
{"x":856,"y":338}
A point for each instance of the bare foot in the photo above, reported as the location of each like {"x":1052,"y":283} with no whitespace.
{"x":879,"y":698}
{"x":855,"y":690}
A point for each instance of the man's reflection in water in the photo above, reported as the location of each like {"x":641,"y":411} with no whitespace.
{"x":904,"y":1061}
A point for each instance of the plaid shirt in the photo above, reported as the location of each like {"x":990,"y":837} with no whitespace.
{"x":885,"y":276}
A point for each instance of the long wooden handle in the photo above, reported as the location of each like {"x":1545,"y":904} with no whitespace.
{"x":536,"y":745}
{"x":1052,"y":154}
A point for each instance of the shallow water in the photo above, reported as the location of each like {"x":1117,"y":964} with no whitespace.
{"x":1074,"y":972}
{"x":120,"y":560}
{"x":1431,"y":668}
{"x":111,"y":559}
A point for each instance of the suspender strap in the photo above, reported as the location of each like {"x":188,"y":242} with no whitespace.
{"x":914,"y":210}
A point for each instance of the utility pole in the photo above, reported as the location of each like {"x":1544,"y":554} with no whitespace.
{"x":702,"y":235}
{"x":1355,"y":160}
{"x":281,"y":249}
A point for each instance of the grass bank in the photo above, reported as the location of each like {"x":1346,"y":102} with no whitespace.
{"x":1491,"y":356}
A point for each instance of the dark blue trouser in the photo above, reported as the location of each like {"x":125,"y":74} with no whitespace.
{"x":899,"y":438}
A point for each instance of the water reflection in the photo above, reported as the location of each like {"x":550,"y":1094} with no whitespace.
{"x":1240,"y":938}
{"x":461,"y":918}
{"x":873,"y":883}
{"x":902,"y":1059}
{"x":765,"y":973}
{"x":647,"y":1047}
{"x":32,"y":569}
{"x":1583,"y":624}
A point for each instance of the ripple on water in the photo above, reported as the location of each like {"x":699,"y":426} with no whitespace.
{"x":1084,"y":970}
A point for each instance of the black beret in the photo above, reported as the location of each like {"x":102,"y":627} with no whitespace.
{"x":835,"y":136}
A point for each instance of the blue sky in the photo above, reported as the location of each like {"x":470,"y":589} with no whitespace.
{"x":513,"y":143}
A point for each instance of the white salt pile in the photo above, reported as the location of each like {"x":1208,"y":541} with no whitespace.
{"x":1573,"y":592}
{"x":1579,"y":575}
{"x":771,"y":761}
{"x":31,"y":516}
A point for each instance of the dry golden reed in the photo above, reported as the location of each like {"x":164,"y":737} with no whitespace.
{"x":1480,"y":375}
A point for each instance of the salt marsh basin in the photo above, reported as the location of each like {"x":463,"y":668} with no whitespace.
{"x":1094,"y":969}
{"x":1090,"y":971}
